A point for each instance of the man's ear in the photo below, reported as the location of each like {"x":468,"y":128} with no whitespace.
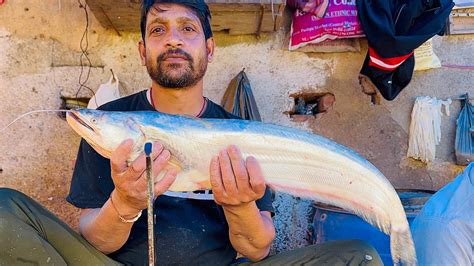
{"x":142,"y":51}
{"x":210,"y":45}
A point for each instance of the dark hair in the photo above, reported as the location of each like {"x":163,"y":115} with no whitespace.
{"x":199,"y":7}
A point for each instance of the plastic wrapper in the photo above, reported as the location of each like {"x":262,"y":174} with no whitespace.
{"x":464,"y":145}
{"x":106,"y":92}
{"x":425,"y":58}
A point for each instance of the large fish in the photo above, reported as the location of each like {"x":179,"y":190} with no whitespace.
{"x":292,"y":161}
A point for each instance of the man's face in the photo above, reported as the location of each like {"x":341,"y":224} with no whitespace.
{"x":175,"y":51}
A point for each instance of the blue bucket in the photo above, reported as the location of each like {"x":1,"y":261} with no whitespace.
{"x":333,"y":223}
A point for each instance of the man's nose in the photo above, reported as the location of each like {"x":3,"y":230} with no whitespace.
{"x":174,"y":39}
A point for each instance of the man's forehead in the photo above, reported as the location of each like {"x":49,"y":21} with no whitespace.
{"x":165,"y":10}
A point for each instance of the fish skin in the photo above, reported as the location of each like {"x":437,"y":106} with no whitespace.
{"x":292,"y":161}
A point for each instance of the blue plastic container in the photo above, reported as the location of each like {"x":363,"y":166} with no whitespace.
{"x":332,"y":223}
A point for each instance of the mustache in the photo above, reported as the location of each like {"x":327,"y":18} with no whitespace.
{"x":174,"y":52}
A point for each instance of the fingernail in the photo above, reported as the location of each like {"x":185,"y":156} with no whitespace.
{"x":172,"y":172}
{"x":157,"y":145}
{"x":223,"y":153}
{"x":233,"y":149}
{"x":215,"y":161}
{"x":128,"y":141}
{"x":165,"y":155}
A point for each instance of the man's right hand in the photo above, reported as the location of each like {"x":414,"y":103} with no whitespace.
{"x":102,"y":226}
{"x":130,"y":181}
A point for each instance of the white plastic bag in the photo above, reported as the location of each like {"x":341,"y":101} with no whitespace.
{"x":425,"y":127}
{"x":107,"y":92}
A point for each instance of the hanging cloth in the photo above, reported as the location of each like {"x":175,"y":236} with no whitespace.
{"x":425,"y":127}
{"x":394,"y":29}
{"x":238,"y":98}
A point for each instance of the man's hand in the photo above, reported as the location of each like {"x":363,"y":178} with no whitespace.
{"x":236,"y":185}
{"x":102,"y":226}
{"x":130,"y":180}
{"x":236,"y":182}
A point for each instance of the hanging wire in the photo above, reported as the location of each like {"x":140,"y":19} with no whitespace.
{"x":84,"y":44}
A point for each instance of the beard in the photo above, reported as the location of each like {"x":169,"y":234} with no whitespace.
{"x":176,"y":75}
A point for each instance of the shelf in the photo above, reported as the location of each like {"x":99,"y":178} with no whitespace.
{"x":461,"y":21}
{"x":235,"y":17}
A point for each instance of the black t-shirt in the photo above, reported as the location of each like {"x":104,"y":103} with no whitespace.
{"x":190,"y":227}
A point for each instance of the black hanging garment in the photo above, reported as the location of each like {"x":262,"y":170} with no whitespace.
{"x":394,"y":29}
{"x":238,"y":98}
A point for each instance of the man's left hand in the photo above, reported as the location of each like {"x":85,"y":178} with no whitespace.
{"x":236,"y":182}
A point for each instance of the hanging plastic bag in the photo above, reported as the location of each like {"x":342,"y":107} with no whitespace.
{"x":464,"y":145}
{"x":425,"y":58}
{"x":106,"y":93}
{"x":425,"y":127}
{"x":238,"y":98}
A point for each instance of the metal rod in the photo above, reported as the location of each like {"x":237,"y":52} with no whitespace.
{"x":150,"y":199}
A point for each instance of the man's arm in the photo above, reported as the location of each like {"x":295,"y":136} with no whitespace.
{"x":236,"y":185}
{"x":103,"y":227}
{"x":251,"y":233}
{"x":98,"y":233}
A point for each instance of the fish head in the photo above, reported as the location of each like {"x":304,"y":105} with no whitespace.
{"x":103,"y":130}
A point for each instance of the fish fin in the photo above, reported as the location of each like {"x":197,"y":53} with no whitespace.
{"x":191,"y":180}
{"x":401,"y":246}
{"x":374,"y":218}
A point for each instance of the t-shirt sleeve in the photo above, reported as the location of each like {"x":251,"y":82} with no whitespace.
{"x":266,"y":202}
{"x":91,"y":183}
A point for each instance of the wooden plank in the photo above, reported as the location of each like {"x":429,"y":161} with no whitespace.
{"x":267,"y":2}
{"x":461,"y":21}
{"x":242,"y":17}
{"x":247,"y":22}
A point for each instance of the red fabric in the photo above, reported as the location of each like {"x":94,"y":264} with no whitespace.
{"x":389,"y":64}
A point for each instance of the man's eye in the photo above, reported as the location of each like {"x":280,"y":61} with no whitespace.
{"x":188,"y":28}
{"x":157,"y":30}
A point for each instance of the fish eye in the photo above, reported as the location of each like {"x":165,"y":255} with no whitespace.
{"x":93,"y":120}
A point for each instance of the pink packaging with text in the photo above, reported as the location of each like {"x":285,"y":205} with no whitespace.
{"x":340,"y":21}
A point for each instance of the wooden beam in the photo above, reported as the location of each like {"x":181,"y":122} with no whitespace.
{"x":461,"y":21}
{"x":234,"y":17}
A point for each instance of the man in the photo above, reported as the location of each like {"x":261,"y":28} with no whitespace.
{"x":443,"y":232}
{"x":191,"y":229}
{"x":197,"y":228}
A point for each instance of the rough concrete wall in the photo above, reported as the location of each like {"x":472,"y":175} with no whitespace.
{"x":39,"y":60}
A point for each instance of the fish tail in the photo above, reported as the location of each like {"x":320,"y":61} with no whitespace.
{"x":401,"y":246}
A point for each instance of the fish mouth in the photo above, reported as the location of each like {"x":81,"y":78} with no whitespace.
{"x":80,"y":121}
